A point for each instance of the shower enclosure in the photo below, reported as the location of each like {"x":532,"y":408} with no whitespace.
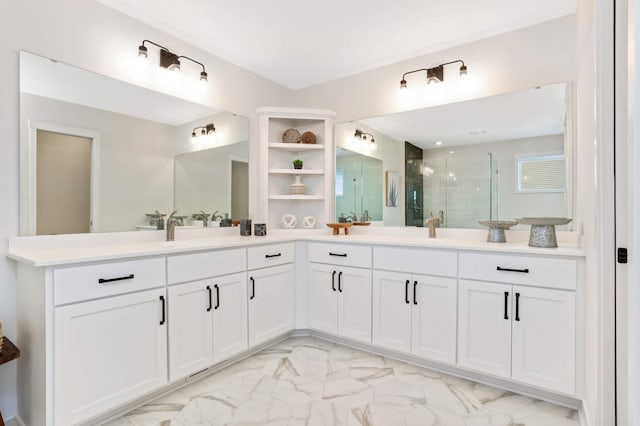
{"x":464,"y":187}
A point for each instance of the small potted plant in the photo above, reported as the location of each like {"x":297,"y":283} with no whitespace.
{"x":297,"y":164}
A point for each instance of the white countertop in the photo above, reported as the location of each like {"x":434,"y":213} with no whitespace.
{"x":56,"y":250}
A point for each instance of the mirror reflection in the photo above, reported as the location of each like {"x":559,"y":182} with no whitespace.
{"x":359,"y":186}
{"x":98,"y":154}
{"x":499,"y":158}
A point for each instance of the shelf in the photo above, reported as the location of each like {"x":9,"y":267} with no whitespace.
{"x":296,"y":172}
{"x":296,"y":197}
{"x":296,"y":147}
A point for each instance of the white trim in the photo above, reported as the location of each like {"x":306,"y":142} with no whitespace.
{"x":28,"y":178}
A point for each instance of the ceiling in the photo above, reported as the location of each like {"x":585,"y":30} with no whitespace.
{"x":516,"y":115}
{"x":301,"y":43}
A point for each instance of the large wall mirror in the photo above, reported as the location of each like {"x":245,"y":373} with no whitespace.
{"x":500,"y":158}
{"x":101,"y":155}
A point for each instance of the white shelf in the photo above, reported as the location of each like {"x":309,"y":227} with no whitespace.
{"x":296,"y":171}
{"x":296,"y":147}
{"x":296,"y":197}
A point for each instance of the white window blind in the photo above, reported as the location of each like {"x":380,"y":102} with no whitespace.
{"x":541,"y":174}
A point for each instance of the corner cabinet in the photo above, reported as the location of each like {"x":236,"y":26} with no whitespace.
{"x":275,"y":165}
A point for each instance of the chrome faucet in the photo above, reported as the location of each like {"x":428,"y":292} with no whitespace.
{"x":204,"y":217}
{"x":353,"y":217}
{"x":171,"y":226}
{"x":434,"y":222}
{"x":365,"y":216}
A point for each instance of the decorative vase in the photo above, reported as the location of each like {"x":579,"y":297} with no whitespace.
{"x":297,"y":188}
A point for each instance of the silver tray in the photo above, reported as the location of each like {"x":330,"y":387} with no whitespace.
{"x":505,"y":224}
{"x":544,"y":221}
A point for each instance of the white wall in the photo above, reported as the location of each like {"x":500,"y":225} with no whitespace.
{"x":534,"y":56}
{"x":92,"y":36}
{"x":136,"y":159}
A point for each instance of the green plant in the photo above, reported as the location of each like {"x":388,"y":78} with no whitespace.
{"x":393,"y":194}
{"x":297,"y":164}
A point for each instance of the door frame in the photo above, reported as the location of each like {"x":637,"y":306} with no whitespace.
{"x":28,"y":172}
{"x":239,"y":159}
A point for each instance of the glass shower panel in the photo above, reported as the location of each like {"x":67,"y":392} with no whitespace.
{"x":464,"y":187}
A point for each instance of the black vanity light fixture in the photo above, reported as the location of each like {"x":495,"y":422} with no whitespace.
{"x":435,"y":74}
{"x":360,"y":136}
{"x":170,"y":60}
{"x":205,"y":130}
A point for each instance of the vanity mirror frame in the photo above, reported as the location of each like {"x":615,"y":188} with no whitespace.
{"x":569,"y":146}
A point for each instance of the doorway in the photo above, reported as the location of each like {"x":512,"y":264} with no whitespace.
{"x":58,"y":165}
{"x":63,"y":184}
{"x":239,"y":189}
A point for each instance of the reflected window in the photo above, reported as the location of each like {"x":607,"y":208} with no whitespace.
{"x":541,"y":173}
{"x":340,"y":183}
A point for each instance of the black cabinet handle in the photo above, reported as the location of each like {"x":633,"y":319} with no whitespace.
{"x":524,"y":271}
{"x":338,"y":254}
{"x":333,"y":281}
{"x":406,"y":292}
{"x":110,"y":280}
{"x":253,"y":288}
{"x":269,"y":256}
{"x":210,"y":303}
{"x":163,"y":311}
{"x":415,"y":286}
{"x":340,"y":282}
{"x":506,"y":305}
{"x":517,"y":306}
{"x":217,"y":287}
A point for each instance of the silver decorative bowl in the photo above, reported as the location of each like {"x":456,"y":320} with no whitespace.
{"x":496,"y":229}
{"x":543,"y":230}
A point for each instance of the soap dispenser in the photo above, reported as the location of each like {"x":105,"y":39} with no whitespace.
{"x":245,"y":225}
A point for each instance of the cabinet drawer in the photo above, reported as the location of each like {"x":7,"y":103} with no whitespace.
{"x":417,"y":261}
{"x":197,"y":266}
{"x":107,"y":279}
{"x":271,"y":255}
{"x":340,"y":254}
{"x":527,"y":270}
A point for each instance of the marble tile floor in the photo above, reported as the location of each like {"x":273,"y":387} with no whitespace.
{"x":312,"y":382}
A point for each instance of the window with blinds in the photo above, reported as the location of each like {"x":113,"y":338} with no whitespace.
{"x":541,"y":174}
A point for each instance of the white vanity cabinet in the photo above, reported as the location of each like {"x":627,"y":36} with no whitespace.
{"x":208,"y":314}
{"x":271,"y":291}
{"x":520,"y":324}
{"x":110,"y":333}
{"x":340,"y":296}
{"x":413,"y":312}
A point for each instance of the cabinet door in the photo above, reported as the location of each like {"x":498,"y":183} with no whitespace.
{"x":108,"y":352}
{"x":544,"y":338}
{"x":271,"y":302}
{"x":392,"y":310}
{"x":229,"y":316}
{"x":354,"y":303}
{"x":190,"y":328}
{"x":434,"y":317}
{"x":323,"y":298}
{"x":484,"y":330}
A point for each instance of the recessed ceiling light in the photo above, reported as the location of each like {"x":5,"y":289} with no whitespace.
{"x":438,"y":143}
{"x":452,"y":152}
